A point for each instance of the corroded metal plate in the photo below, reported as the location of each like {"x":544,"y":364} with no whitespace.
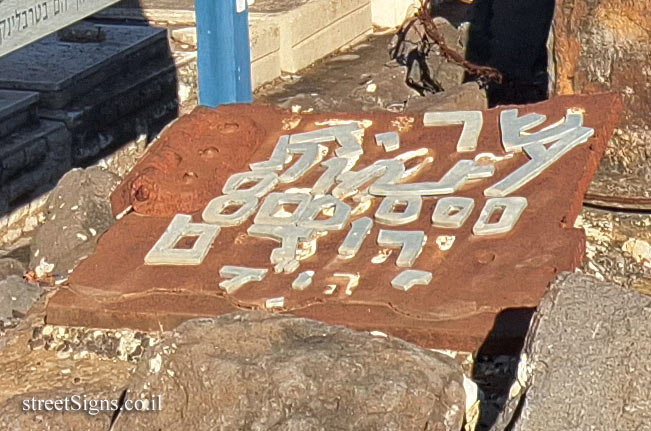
{"x":479,"y":277}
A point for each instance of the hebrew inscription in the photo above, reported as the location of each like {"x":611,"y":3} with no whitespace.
{"x":301,"y":217}
{"x":25,"y":21}
{"x":378,"y":221}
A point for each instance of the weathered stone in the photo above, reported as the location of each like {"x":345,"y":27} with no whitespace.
{"x":21,"y":295}
{"x":82,"y":32}
{"x":445,"y":73}
{"x":190,"y":163}
{"x":585,"y":359}
{"x":600,"y":46}
{"x":427,"y":68}
{"x":78,"y":213}
{"x":106,"y":116}
{"x":267,"y":372}
{"x":9,"y":266}
{"x":62,"y":71}
{"x":464,"y":97}
{"x":34,"y":370}
{"x":14,"y":418}
{"x":5,"y":306}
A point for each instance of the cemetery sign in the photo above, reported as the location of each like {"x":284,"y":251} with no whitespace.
{"x":424,"y":226}
{"x":25,"y":21}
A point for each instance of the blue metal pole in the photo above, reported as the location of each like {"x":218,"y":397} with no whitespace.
{"x":224,"y":54}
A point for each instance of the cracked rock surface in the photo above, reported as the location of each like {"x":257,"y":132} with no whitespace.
{"x":264,"y":372}
{"x":585,"y":360}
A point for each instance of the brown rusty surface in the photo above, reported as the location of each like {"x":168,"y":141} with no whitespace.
{"x":478,"y":279}
{"x":605,"y":45}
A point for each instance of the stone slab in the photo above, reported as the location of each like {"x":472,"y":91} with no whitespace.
{"x":114,"y":99}
{"x":61,"y":71}
{"x":310,"y":30}
{"x":16,"y":109}
{"x":168,"y":11}
{"x":477,"y":283}
{"x":264,"y":37}
{"x":12,"y":102}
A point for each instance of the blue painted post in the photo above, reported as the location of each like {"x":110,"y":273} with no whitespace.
{"x":224,"y":54}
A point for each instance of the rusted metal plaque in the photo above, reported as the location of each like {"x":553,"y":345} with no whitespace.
{"x":425,"y":227}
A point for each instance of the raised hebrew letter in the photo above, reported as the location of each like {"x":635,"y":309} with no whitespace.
{"x":386,"y":211}
{"x":288,"y":236}
{"x":273,"y":205}
{"x":452,"y":181}
{"x":303,"y":281}
{"x":265,"y":181}
{"x":386,"y":171}
{"x":350,"y":147}
{"x":239,"y":276}
{"x":541,"y":158}
{"x":311,"y":154}
{"x":338,"y":220}
{"x":452,"y":212}
{"x":515,"y":129}
{"x":359,"y":230}
{"x":389,"y":140}
{"x":410,"y":278}
{"x":214,"y":211}
{"x":411,"y":242}
{"x":164,"y":253}
{"x":279,"y":157}
{"x":511,"y":209}
{"x":472,"y":122}
{"x":334,"y":167}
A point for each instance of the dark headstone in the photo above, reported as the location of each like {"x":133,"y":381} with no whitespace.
{"x":61,"y":71}
{"x":31,"y":160}
{"x":17,"y":108}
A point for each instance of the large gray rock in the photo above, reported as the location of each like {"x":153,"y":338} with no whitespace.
{"x":78,"y":213}
{"x":427,"y":68}
{"x":446,"y":73}
{"x":17,"y":297}
{"x":585,"y":364}
{"x":256,"y":371}
{"x":10,"y":266}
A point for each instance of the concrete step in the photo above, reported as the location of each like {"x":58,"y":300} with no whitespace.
{"x":312,"y":29}
{"x":285,"y":35}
